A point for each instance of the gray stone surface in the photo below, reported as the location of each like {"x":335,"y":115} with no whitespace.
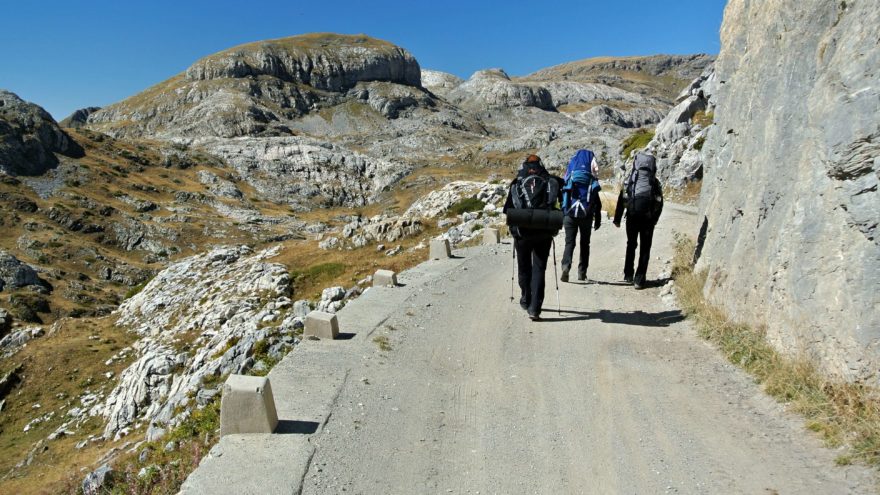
{"x":321,"y":325}
{"x":14,"y":274}
{"x":94,"y":483}
{"x":252,"y":465}
{"x":247,"y":406}
{"x":678,"y":139}
{"x":440,"y":249}
{"x":29,"y":138}
{"x":78,"y":118}
{"x":384,"y":278}
{"x":791,"y":187}
{"x":491,"y":236}
{"x":228,"y":294}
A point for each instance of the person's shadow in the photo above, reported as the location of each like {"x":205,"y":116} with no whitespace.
{"x":634,"y":318}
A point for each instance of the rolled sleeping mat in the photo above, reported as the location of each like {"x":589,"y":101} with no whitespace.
{"x":535,"y":219}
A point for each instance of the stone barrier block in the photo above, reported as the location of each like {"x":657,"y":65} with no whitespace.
{"x":440,"y":249}
{"x":247,"y":406}
{"x":491,"y":236}
{"x":321,"y":325}
{"x":384,"y":278}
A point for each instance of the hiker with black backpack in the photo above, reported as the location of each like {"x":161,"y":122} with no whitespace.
{"x":534,"y":220}
{"x":582,"y":209}
{"x":642,"y":198}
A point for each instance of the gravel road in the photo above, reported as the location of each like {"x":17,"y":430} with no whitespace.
{"x":615,"y":395}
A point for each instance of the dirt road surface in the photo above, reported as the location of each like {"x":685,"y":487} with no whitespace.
{"x":617,"y":394}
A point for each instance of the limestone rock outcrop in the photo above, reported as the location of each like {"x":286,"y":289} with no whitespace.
{"x":198,"y":319}
{"x":257,"y":88}
{"x":679,"y":137}
{"x":30,"y":137}
{"x":790,"y":191}
{"x":440,"y":83}
{"x":79,"y":118}
{"x":493,"y":87}
{"x":306,"y":172}
{"x":14,"y":274}
{"x":329,"y":62}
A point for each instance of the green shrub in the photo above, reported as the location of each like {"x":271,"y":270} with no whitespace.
{"x":466,"y":205}
{"x":137,"y":288}
{"x":321,"y":271}
{"x":635,"y":142}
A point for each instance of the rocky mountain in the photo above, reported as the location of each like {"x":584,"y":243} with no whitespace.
{"x":273,"y":109}
{"x":78,"y":118}
{"x":790,"y":194}
{"x":30,"y":137}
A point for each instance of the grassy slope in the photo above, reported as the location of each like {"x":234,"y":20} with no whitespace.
{"x":76,"y":353}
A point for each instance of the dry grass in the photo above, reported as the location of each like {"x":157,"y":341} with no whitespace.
{"x":383,"y":343}
{"x":584,"y":106}
{"x":703,"y":118}
{"x":57,"y":369}
{"x":841,"y":413}
{"x":688,"y":195}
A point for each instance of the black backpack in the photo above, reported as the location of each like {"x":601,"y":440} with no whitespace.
{"x":534,"y":210}
{"x":641,"y":186}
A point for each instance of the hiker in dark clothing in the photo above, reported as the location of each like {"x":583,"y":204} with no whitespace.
{"x":642,"y":198}
{"x":532,"y":246}
{"x":582,"y":207}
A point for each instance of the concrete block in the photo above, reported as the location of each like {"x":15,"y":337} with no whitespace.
{"x":440,"y":249}
{"x":247,"y":406}
{"x":384,"y":278}
{"x":321,"y":325}
{"x":491,"y":236}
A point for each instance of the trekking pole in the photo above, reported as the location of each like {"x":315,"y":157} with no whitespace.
{"x":512,"y":269}
{"x":556,"y":279}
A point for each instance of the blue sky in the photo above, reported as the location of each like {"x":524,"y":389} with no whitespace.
{"x":65,"y":55}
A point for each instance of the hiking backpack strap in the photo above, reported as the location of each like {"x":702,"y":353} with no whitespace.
{"x":514,"y":194}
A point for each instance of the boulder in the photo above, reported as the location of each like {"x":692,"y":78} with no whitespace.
{"x":30,"y":137}
{"x":14,"y":274}
{"x":97,"y":481}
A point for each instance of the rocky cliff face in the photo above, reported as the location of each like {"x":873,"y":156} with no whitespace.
{"x":257,"y":88}
{"x":30,"y":137}
{"x":679,"y":137}
{"x":790,"y":193}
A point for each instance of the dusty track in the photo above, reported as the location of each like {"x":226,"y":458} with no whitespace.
{"x":616,"y":395}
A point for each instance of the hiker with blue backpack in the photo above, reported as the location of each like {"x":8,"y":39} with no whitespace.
{"x":534,"y":220}
{"x":642,"y":198}
{"x":582,"y":209}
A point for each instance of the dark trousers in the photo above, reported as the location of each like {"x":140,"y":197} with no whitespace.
{"x":531,"y":260}
{"x":639,"y":233}
{"x":572,"y":226}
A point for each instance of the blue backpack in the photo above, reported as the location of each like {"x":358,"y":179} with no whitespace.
{"x":579,"y":182}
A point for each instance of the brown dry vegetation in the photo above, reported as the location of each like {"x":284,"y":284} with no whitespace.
{"x":688,"y":195}
{"x":841,"y":413}
{"x":111,"y":170}
{"x":56,"y":370}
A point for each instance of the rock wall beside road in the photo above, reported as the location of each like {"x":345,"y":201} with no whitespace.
{"x":790,"y":192}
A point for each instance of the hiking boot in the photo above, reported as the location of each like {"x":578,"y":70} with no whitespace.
{"x":639,"y":283}
{"x":627,"y":279}
{"x":534,"y":316}
{"x":523,"y":303}
{"x":564,"y":277}
{"x":582,"y":276}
